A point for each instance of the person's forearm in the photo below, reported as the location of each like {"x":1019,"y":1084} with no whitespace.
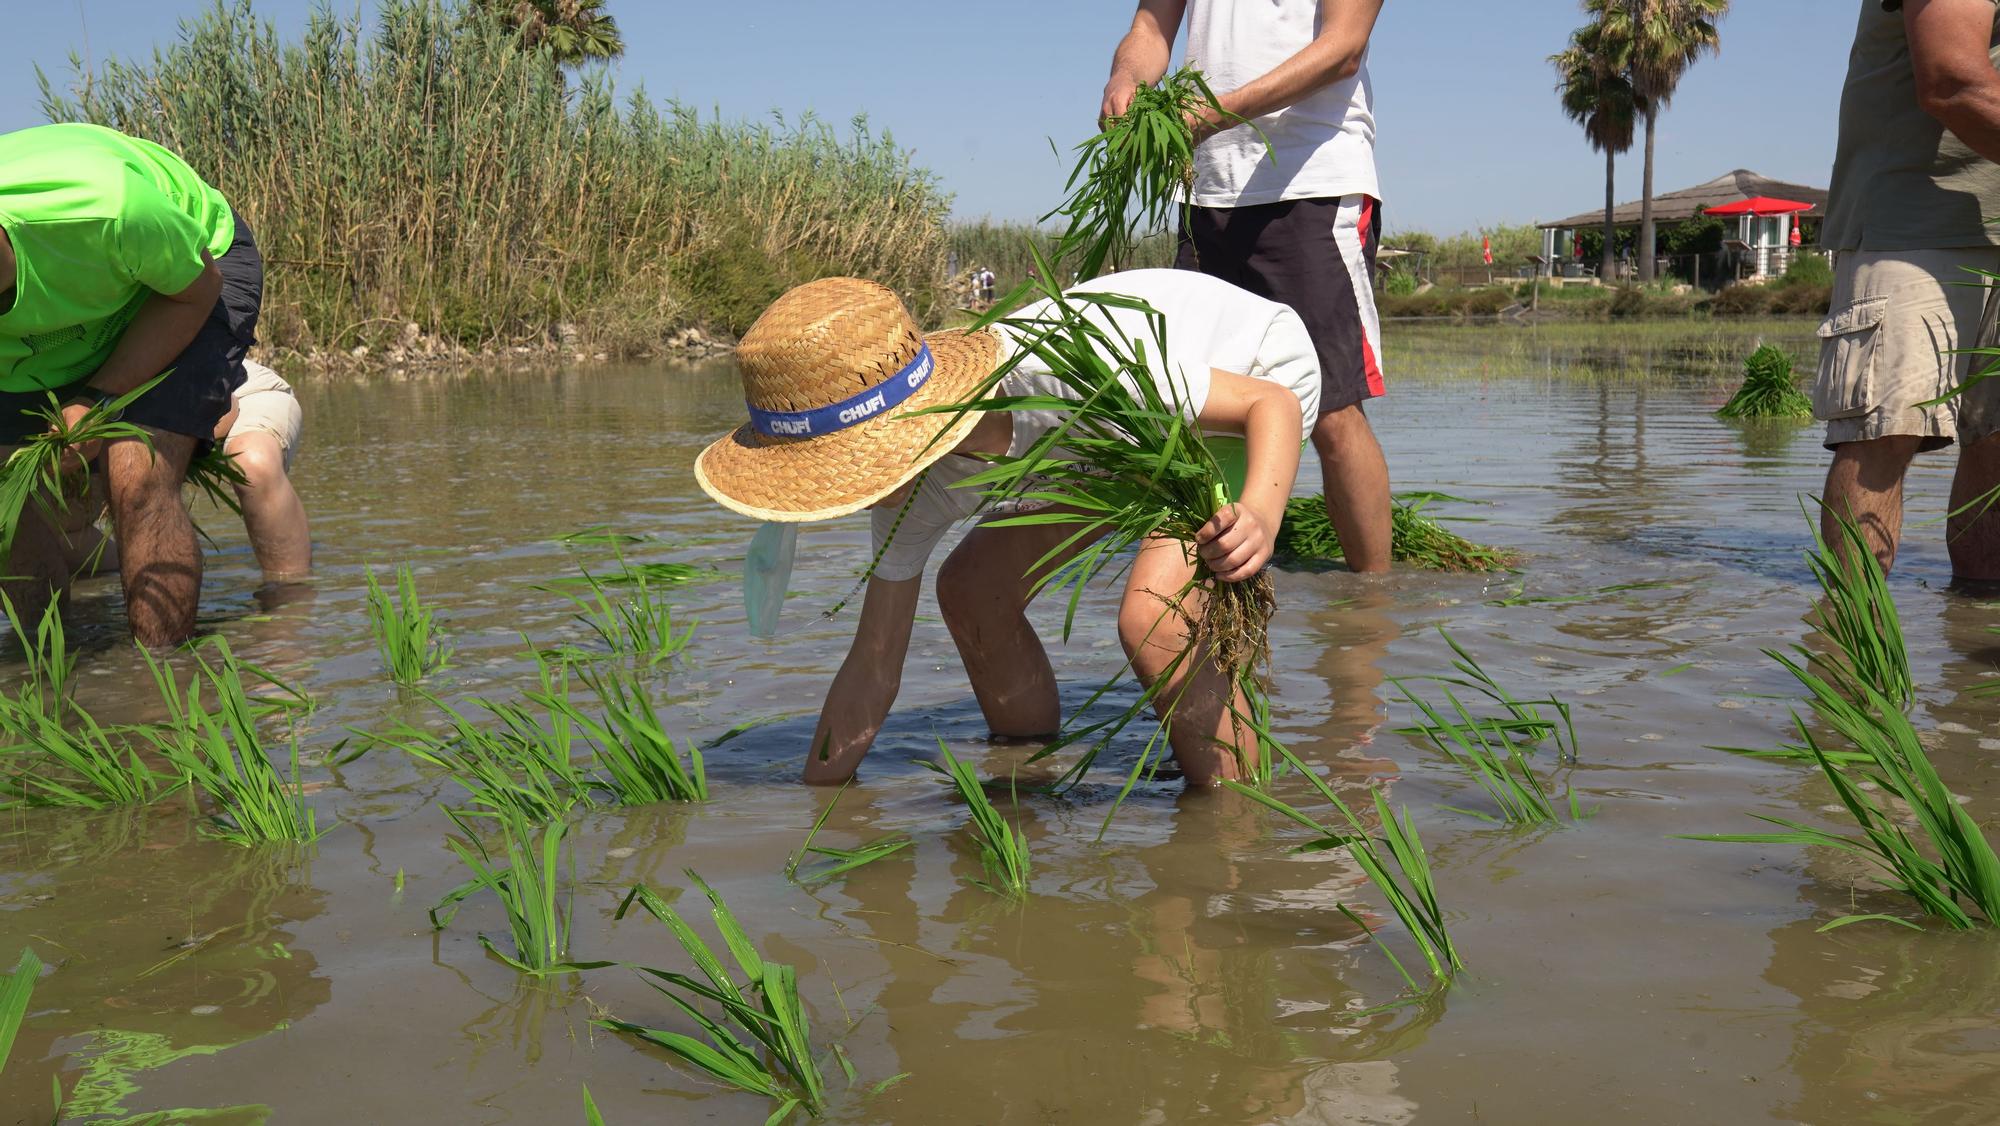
{"x":1143,"y":54}
{"x":164,"y":327}
{"x":1333,"y":56}
{"x":1272,"y":435}
{"x":1972,"y":112}
{"x":856,"y":706}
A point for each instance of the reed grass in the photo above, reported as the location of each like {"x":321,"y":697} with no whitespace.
{"x":1402,"y":875}
{"x":406,"y":630}
{"x":760,"y":1040}
{"x":525,"y":877}
{"x":844,"y":860}
{"x":413,"y":164}
{"x":1003,"y":849}
{"x":1769,"y":389}
{"x":220,"y":753}
{"x":1414,"y":538}
{"x":15,"y":989}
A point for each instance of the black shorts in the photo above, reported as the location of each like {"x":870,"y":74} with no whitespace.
{"x":195,"y":395}
{"x":1315,"y":255}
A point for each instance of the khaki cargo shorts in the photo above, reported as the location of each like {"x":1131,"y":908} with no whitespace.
{"x":1887,"y":345}
{"x":265,"y":402}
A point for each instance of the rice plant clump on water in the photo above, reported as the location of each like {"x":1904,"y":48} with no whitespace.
{"x":1769,"y":390}
{"x":636,"y":759}
{"x":1125,"y":464}
{"x":1947,"y":865}
{"x":405,"y":629}
{"x":640,"y":624}
{"x":759,"y":1039}
{"x":1493,"y":749}
{"x":844,"y":860}
{"x":1414,"y":538}
{"x":1003,"y":849}
{"x":1402,"y":877}
{"x":220,"y":752}
{"x":525,"y":877}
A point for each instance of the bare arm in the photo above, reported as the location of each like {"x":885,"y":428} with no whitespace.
{"x":1333,"y":56}
{"x":166,"y":323}
{"x":1239,"y":540}
{"x":1143,"y":54}
{"x":1956,"y":82}
{"x":866,"y":685}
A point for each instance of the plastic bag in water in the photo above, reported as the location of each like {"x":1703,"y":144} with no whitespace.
{"x":767,"y":574}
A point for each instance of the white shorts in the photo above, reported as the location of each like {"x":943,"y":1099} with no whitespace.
{"x":265,"y":403}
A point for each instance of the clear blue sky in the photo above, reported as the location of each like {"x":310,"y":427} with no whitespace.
{"x":1469,"y":131}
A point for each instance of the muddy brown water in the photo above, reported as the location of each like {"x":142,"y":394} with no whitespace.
{"x":1185,"y":968}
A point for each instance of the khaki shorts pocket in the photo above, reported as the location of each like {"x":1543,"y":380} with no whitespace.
{"x":1849,"y":340}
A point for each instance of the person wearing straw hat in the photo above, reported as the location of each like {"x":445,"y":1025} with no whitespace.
{"x":837,"y":379}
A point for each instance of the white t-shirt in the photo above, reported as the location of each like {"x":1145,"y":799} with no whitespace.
{"x":1209,"y":324}
{"x":1324,"y":143}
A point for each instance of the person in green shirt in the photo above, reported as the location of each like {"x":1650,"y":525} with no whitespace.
{"x":119,"y":264}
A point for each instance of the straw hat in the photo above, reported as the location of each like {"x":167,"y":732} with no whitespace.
{"x":834,"y":373}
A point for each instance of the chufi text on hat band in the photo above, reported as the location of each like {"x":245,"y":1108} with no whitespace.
{"x":851,"y":411}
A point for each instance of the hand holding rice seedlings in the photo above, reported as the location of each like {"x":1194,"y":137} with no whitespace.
{"x":526,"y":886}
{"x":405,"y":629}
{"x":221,"y":754}
{"x":1413,"y":537}
{"x":761,"y":1041}
{"x":35,"y":471}
{"x":1413,"y":898}
{"x":1003,"y":849}
{"x":845,"y":860}
{"x":1142,"y":161}
{"x":1769,"y":390}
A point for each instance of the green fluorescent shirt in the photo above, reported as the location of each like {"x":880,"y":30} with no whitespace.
{"x":98,"y":222}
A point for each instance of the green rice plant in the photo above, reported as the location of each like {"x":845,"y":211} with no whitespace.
{"x":220,"y":753}
{"x":845,"y":860}
{"x":1947,"y":865}
{"x":760,"y":1040}
{"x":513,"y":758}
{"x":1857,"y":614}
{"x":1409,"y":889}
{"x":1414,"y":538}
{"x":35,"y":473}
{"x":1493,"y":753}
{"x":1523,"y":719}
{"x":638,"y":624}
{"x":1769,"y":389}
{"x":636,"y":759}
{"x":215,"y":474}
{"x":1003,"y":849}
{"x":634,"y":574}
{"x":525,"y":877}
{"x":405,"y":629}
{"x":1124,"y":464}
{"x":15,"y":988}
{"x":590,"y":1115}
{"x":1143,"y":162}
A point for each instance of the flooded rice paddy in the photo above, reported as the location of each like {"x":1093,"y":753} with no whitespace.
{"x":1187,"y":967}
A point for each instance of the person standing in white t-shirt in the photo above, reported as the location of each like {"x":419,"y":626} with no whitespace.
{"x":837,"y":379}
{"x":1300,"y":222}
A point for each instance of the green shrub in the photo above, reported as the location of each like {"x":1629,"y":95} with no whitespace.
{"x":1399,"y":283}
{"x":1628,"y":301}
{"x":1741,"y":300}
{"x":1807,"y":269}
{"x":1802,"y":298}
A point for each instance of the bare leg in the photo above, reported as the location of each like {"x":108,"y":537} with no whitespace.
{"x":1865,"y":485}
{"x":38,"y":570}
{"x":158,"y":556}
{"x":983,"y":591}
{"x":272,"y":512}
{"x":1208,"y":742}
{"x":1974,"y":537}
{"x":1356,"y":478}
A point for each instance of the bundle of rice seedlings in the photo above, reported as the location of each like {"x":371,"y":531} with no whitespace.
{"x":35,"y":471}
{"x":1125,"y":464}
{"x":1769,"y":389}
{"x":526,"y":884}
{"x":1129,"y":178}
{"x":1414,"y":538}
{"x":1857,"y":614}
{"x":1003,"y":849}
{"x":759,"y":1041}
{"x":405,"y":629}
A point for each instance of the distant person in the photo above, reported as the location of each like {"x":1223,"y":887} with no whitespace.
{"x":1915,"y":189}
{"x":119,"y":264}
{"x":816,"y":448}
{"x":1303,"y":230}
{"x":986,"y":280}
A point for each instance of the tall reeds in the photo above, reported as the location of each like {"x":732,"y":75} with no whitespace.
{"x":420,"y":166}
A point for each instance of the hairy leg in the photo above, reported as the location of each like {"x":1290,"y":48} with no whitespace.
{"x":1208,"y":742}
{"x":272,"y":512}
{"x":983,"y":591}
{"x":1865,"y":485}
{"x":1356,"y":478}
{"x":157,"y":553}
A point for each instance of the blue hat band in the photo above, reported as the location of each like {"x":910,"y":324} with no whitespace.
{"x":851,"y":411}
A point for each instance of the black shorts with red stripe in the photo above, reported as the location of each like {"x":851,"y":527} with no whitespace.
{"x":1315,"y":255}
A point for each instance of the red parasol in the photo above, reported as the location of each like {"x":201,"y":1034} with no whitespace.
{"x":1760,"y":205}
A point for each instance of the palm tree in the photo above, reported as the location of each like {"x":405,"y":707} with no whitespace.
{"x":574,"y":31}
{"x":1661,"y":39}
{"x":1597,"y":94}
